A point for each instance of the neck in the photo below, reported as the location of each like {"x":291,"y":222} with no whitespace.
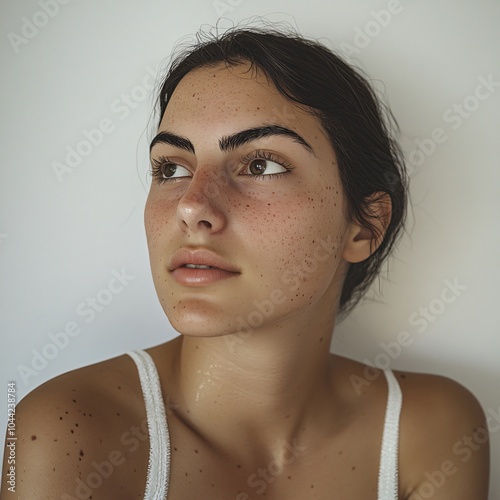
{"x":259,"y":391}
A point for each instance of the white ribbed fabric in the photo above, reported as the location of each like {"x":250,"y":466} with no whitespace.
{"x":388,"y":471}
{"x":159,"y":453}
{"x":159,"y":440}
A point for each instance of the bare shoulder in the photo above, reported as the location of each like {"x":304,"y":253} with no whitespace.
{"x":81,"y":434}
{"x":444,"y":442}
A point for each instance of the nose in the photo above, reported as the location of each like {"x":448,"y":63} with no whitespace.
{"x":199,"y":209}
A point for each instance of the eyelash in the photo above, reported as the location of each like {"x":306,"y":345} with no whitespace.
{"x":156,"y":169}
{"x":158,"y":163}
{"x":266,"y":155}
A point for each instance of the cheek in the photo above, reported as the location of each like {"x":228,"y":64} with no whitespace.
{"x":158,"y":213}
{"x":300,"y":240}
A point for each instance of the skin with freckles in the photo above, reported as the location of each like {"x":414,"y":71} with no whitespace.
{"x":266,"y":227}
{"x":257,"y":406}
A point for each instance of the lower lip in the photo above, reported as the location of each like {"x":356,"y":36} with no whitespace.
{"x":200,"y":276}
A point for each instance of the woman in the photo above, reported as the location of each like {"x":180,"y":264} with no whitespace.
{"x":277,"y":194}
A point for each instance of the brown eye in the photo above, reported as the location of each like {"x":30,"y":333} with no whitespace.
{"x":264,"y":167}
{"x":163,"y":169}
{"x":169,"y":169}
{"x":257,"y":167}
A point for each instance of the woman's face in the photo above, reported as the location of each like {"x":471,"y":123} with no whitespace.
{"x":268,"y":202}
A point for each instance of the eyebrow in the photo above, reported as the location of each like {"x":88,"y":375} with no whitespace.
{"x":233,"y":141}
{"x":174,"y":140}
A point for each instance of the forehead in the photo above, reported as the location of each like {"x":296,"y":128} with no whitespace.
{"x":225,"y":98}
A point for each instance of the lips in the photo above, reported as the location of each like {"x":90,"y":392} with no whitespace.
{"x":200,"y":257}
{"x":195,"y":268}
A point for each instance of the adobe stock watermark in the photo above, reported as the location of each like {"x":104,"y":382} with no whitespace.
{"x":420,"y":319}
{"x":263,"y":476}
{"x":87,"y":310}
{"x":92,"y":138}
{"x":131,"y":440}
{"x":31,"y":27}
{"x":453,"y":116}
{"x":284,"y":115}
{"x":364,"y":35}
{"x":465,"y":448}
{"x":292,"y":278}
{"x":223,"y":7}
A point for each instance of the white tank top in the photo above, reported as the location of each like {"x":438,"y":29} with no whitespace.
{"x":159,"y":452}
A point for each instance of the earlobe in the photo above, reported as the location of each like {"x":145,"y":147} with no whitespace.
{"x":361,"y":241}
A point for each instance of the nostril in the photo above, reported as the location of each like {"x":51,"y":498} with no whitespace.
{"x":203,"y":222}
{"x":202,"y":216}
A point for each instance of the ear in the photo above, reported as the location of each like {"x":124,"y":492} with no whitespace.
{"x":360,"y":242}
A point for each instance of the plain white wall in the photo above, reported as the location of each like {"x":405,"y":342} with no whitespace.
{"x":92,"y":64}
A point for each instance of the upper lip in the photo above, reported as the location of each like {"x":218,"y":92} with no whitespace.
{"x":199,"y":257}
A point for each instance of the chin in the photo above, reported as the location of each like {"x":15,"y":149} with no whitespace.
{"x":202,"y":314}
{"x":199,"y":322}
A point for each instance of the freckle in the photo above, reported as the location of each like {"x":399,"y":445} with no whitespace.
{"x":81,"y":453}
{"x":72,"y":431}
{"x":117,"y":413}
{"x":33,"y":438}
{"x":55,"y":440}
{"x":186,"y":474}
{"x":60,"y":418}
{"x":353,"y":468}
{"x":312,"y":485}
{"x":119,"y":388}
{"x":340,"y":452}
{"x":74,"y":400}
{"x":238,"y":466}
{"x":175,"y":448}
{"x":289,"y":477}
{"x":403,"y":376}
{"x":76,"y":425}
{"x":66,"y":412}
{"x":196,"y":451}
{"x":54,"y":469}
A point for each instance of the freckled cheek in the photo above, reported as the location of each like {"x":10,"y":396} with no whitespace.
{"x":158,"y":216}
{"x":305,"y":233}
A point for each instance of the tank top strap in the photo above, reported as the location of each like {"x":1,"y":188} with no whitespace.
{"x":388,"y":471}
{"x":159,"y":450}
{"x":159,"y":453}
